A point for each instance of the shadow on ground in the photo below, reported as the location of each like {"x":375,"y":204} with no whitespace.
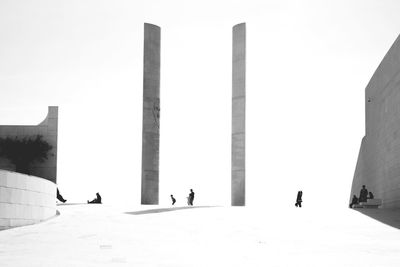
{"x":389,"y":217}
{"x":150,"y":211}
{"x":69,"y":204}
{"x":57,"y":214}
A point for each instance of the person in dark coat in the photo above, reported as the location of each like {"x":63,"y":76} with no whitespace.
{"x":97,"y":200}
{"x":370,"y":195}
{"x":354,"y":201}
{"x":173,"y":199}
{"x":363,"y":194}
{"x":60,"y":197}
{"x":298,"y":199}
{"x":191,"y":198}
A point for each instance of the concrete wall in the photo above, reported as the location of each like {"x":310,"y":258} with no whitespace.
{"x":48,"y":129}
{"x":378,"y":165}
{"x":151,"y":114}
{"x":238,"y":194}
{"x":25,"y":199}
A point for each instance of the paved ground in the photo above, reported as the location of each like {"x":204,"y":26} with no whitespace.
{"x":101,"y":235}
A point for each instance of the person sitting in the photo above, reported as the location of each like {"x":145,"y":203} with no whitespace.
{"x":60,"y":197}
{"x":370,"y":195}
{"x":354,"y":201}
{"x":173,"y":199}
{"x":97,"y":200}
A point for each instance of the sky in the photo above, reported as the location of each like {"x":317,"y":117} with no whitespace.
{"x":308,"y":63}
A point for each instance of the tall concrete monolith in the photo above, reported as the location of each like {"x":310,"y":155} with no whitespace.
{"x":151,"y":114}
{"x":238,"y":190}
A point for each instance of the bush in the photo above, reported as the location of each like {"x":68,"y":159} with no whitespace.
{"x":22,"y":152}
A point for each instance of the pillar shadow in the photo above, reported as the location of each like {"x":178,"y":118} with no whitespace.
{"x":151,"y":211}
{"x":389,"y":217}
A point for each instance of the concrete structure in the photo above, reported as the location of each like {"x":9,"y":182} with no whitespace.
{"x":47,"y":129}
{"x":151,"y":114}
{"x":378,"y":165}
{"x":239,"y":115}
{"x":25,"y":199}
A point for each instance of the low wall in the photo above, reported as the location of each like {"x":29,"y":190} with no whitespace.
{"x":25,"y":199}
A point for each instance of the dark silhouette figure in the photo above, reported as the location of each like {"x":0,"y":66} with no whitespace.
{"x":173,"y":199}
{"x":191,"y":198}
{"x":354,"y":201}
{"x":97,"y":200}
{"x":60,"y":197}
{"x":370,"y":195}
{"x":298,"y":199}
{"x":363,"y":194}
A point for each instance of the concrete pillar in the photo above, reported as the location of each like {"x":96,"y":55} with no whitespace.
{"x":238,"y":193}
{"x":151,"y":114}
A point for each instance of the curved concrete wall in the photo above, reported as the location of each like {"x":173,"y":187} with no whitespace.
{"x":151,"y":114}
{"x":238,"y":191}
{"x":25,"y":199}
{"x":378,"y":165}
{"x":47,"y":129}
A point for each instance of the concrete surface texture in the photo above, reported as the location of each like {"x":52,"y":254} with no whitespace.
{"x":238,"y":192}
{"x":25,"y":199}
{"x":378,"y":164}
{"x":151,"y":114}
{"x":48,"y":129}
{"x":101,"y":235}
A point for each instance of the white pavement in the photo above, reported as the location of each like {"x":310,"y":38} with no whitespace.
{"x":102,"y":235}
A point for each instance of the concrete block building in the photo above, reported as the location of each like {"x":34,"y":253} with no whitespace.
{"x":28,"y":199}
{"x":48,"y":130}
{"x":378,"y":164}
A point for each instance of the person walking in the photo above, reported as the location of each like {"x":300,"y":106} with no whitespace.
{"x":298,"y":199}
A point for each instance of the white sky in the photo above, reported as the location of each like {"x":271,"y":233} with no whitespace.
{"x":308,"y":63}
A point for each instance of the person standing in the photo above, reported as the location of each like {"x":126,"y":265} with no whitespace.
{"x":191,"y":197}
{"x":298,"y":199}
{"x":173,"y":200}
{"x":363,"y":194}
